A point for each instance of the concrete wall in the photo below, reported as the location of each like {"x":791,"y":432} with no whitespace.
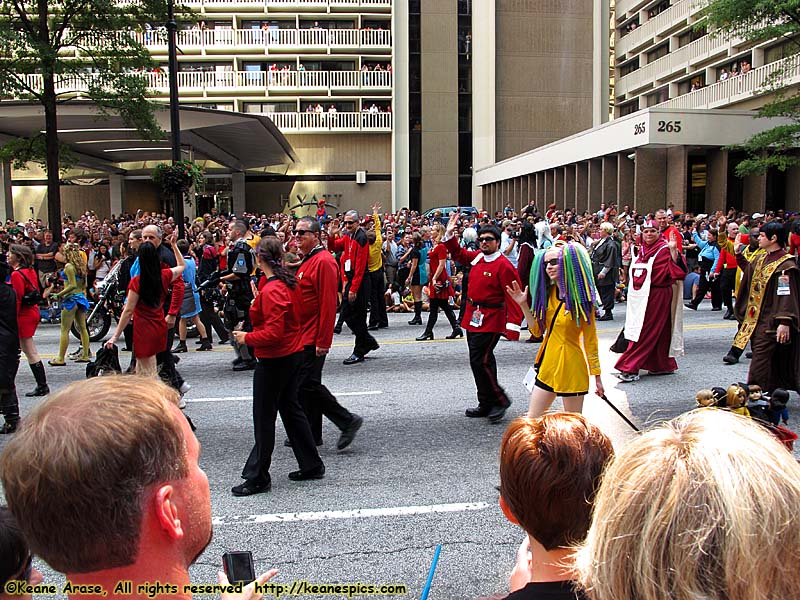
{"x":544,"y":72}
{"x":439,"y":62}
{"x":75,"y":200}
{"x":264,"y":196}
{"x":341,"y":154}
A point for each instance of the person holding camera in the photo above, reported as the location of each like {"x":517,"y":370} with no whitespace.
{"x":508,"y":243}
{"x":26,"y":285}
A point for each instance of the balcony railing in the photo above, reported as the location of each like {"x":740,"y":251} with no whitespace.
{"x":210,"y":82}
{"x":674,"y":63}
{"x":343,"y":121}
{"x":677,"y":13}
{"x":289,"y":5}
{"x":260,"y":39}
{"x":738,"y":88}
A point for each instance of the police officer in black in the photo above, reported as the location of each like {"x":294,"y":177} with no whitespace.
{"x":241,"y":263}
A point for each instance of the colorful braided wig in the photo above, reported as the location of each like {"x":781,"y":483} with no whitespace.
{"x":575,"y":283}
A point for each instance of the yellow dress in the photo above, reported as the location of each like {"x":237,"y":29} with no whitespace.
{"x":568,"y":354}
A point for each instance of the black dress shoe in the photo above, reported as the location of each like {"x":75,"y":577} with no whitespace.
{"x":415,"y":321}
{"x":245,"y":365}
{"x":250,"y":487}
{"x":748,"y":355}
{"x":373,"y":328}
{"x":426,"y":335}
{"x":716,"y":309}
{"x":497,"y":412}
{"x":373,"y":345}
{"x":728,"y":314}
{"x":9,"y":427}
{"x":478,"y":411}
{"x":353,"y":359}
{"x":690,"y":305}
{"x":730,"y":359}
{"x":349,"y":432}
{"x":606,"y":317}
{"x":457,"y":333}
{"x":287,"y":442}
{"x":317,"y":473}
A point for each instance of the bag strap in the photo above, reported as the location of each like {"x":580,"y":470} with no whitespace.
{"x":25,"y":277}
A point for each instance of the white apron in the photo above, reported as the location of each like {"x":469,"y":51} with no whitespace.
{"x":636,"y":307}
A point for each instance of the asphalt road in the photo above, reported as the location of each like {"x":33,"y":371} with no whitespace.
{"x":418,"y":474}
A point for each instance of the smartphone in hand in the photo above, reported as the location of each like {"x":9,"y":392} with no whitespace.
{"x":239,"y":567}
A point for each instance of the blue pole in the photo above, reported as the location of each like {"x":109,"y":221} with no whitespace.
{"x":426,"y":590}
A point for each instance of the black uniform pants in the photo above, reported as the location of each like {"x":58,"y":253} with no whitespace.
{"x":315,"y":398}
{"x":484,"y":368}
{"x":355,"y":315}
{"x":727,"y":282}
{"x":377,"y":303}
{"x":275,"y":391}
{"x":607,"y":296}
{"x":433,"y":315}
{"x":210,"y":318}
{"x":705,"y":285}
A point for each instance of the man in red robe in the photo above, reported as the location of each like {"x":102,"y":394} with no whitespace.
{"x":650,"y":320}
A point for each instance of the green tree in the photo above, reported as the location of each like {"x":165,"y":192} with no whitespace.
{"x":759,"y":21}
{"x":48,"y":46}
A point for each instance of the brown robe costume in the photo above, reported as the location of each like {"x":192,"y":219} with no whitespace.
{"x":774,"y":365}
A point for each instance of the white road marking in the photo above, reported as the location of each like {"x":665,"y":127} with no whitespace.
{"x":360,"y":513}
{"x":239,"y":398}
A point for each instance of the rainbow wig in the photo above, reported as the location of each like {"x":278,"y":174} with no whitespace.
{"x":575,"y":283}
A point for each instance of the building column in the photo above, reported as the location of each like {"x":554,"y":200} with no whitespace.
{"x":609,"y":179}
{"x":625,"y":179}
{"x":524,"y":190}
{"x":650,"y":185}
{"x":6,"y":197}
{"x":558,"y":188}
{"x":116,"y":187}
{"x":570,"y":199}
{"x":716,"y":180}
{"x":549,"y":198}
{"x":539,"y":192}
{"x":755,"y":193}
{"x":581,"y":187}
{"x":483,"y":88}
{"x":677,"y":177}
{"x":238,"y":189}
{"x":595,"y":184}
{"x":400,"y":118}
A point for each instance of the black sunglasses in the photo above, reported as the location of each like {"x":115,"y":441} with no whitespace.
{"x":299,"y":232}
{"x":487,"y":239}
{"x":553,"y":262}
{"x":348,"y":222}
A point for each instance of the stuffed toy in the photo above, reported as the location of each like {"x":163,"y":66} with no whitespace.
{"x":736,"y":398}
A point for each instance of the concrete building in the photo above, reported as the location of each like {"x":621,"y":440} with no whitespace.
{"x":389,"y":101}
{"x":681,"y":94}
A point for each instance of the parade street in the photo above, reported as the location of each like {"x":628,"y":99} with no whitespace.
{"x":418,"y":473}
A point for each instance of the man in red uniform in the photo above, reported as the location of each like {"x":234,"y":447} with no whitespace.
{"x":317,"y":287}
{"x":353,"y":262}
{"x":487,"y":315}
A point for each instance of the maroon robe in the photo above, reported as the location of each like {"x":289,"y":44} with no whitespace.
{"x":651,"y":352}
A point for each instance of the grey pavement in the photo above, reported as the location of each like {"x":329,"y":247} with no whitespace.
{"x":418,"y":474}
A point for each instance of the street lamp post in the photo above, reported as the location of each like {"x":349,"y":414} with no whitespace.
{"x":174,"y":115}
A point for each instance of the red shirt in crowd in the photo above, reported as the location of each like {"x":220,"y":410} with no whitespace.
{"x":317,"y":287}
{"x":274,"y":316}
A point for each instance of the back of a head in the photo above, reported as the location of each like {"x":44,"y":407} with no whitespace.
{"x":98,"y":445}
{"x":13,"y":549}
{"x":704,"y":506}
{"x":470,"y":235}
{"x":550,"y":470}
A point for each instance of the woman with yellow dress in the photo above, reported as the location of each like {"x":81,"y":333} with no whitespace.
{"x":564,"y":300}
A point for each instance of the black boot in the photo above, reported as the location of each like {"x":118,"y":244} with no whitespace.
{"x":205,"y":344}
{"x":417,"y":320}
{"x":181,"y":347}
{"x":41,"y":380}
{"x":426,"y":335}
{"x":732,"y":357}
{"x":9,"y":406}
{"x":457,"y":333}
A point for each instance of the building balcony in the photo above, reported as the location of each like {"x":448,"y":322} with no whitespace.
{"x":674,"y":64}
{"x":240,"y":82}
{"x":238,"y":41}
{"x":679,"y":12}
{"x":309,"y":122}
{"x":739,"y":88}
{"x":321,"y":6}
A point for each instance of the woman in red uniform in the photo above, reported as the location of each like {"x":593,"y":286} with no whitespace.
{"x":439,"y":288}
{"x":24,"y":280}
{"x":277,"y":340}
{"x":146,"y":294}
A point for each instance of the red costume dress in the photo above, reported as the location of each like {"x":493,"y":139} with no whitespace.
{"x":150,"y":327}
{"x":24,"y":281}
{"x":438,"y":254}
{"x":652,"y":349}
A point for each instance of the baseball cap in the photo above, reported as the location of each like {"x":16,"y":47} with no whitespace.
{"x":758,"y":216}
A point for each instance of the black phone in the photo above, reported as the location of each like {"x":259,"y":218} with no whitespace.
{"x":239,"y":567}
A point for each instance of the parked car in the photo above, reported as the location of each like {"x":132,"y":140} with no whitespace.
{"x":448,"y":210}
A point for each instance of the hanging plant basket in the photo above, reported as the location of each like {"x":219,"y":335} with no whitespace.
{"x":179,"y":178}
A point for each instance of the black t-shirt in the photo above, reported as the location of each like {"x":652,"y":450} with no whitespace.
{"x":46,"y":266}
{"x":548,"y":590}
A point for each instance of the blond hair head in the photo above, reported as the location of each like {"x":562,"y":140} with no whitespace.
{"x":702,"y":507}
{"x":75,"y":258}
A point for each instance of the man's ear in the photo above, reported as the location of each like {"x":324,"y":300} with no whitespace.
{"x":507,"y":511}
{"x":166,"y":512}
